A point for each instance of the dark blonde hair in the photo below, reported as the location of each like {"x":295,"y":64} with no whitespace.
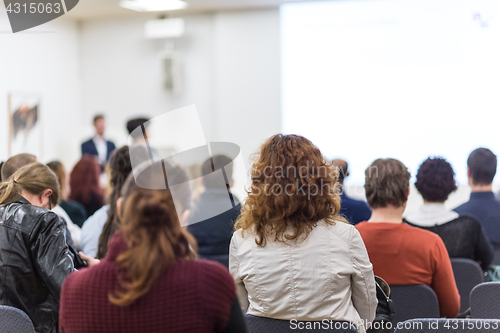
{"x":151,"y":228}
{"x":60,"y":172}
{"x":287,"y":170}
{"x":386,"y":183}
{"x":32,"y":178}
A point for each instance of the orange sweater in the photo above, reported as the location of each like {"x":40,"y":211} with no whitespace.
{"x":402,"y":254}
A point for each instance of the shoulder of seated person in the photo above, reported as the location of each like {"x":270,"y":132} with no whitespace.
{"x":420,"y":232}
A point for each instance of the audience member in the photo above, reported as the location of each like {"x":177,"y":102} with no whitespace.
{"x":75,"y":231}
{"x":149,"y":280}
{"x":293,"y":256}
{"x":75,"y":211}
{"x":213,"y":235}
{"x":98,"y":145}
{"x":35,"y":256}
{"x":15,"y":163}
{"x":99,"y":228}
{"x":132,"y":124}
{"x":402,"y":254}
{"x":482,"y":205}
{"x":463,"y":236}
{"x":84,"y":183}
{"x":354,"y":211}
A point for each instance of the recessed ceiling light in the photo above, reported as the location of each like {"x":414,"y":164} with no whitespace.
{"x":153,"y":5}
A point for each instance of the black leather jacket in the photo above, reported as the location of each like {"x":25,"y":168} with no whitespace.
{"x":34,"y":261}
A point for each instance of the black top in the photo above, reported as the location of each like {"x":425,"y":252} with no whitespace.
{"x":484,"y":207}
{"x":75,"y":211}
{"x":354,"y":211}
{"x":464,"y":238}
{"x":35,"y":260}
{"x":94,"y":203}
{"x":213,"y":234}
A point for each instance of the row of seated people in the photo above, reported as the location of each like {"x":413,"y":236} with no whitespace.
{"x":292,"y":256}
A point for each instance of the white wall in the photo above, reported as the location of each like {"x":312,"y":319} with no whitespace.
{"x":44,"y":60}
{"x":247,"y":77}
{"x":230,"y":71}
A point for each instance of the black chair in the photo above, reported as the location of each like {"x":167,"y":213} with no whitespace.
{"x":485,"y":300}
{"x":496,"y":260}
{"x":468,"y":274}
{"x":270,"y":325}
{"x":414,"y":301}
{"x":222,"y":259}
{"x":448,"y":326}
{"x":13,"y":320}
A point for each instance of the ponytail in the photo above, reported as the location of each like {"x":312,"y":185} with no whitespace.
{"x":32,"y":178}
{"x":155,"y":240}
{"x":10,"y":192}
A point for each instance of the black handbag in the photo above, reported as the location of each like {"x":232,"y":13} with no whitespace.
{"x":385,"y":310}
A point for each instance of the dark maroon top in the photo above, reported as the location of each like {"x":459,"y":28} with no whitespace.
{"x":192,"y":296}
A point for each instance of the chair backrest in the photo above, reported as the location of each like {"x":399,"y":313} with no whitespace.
{"x":13,"y":320}
{"x":496,"y":259}
{"x":485,"y":300}
{"x":444,"y":325}
{"x":222,"y":259}
{"x":270,"y":325}
{"x":414,"y":301}
{"x":468,"y":274}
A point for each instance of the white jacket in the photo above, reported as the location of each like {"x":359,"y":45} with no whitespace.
{"x":326,"y":276}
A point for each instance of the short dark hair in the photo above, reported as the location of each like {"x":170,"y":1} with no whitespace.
{"x":482,"y":164}
{"x":15,"y":163}
{"x":97,"y":117}
{"x":219,"y":161}
{"x":132,"y":124}
{"x":435,"y":179}
{"x":343,"y":167}
{"x":386,"y":183}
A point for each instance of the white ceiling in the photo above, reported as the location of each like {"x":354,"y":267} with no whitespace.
{"x":89,"y":9}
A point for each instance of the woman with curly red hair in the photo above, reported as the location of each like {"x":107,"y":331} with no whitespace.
{"x":293,"y":256}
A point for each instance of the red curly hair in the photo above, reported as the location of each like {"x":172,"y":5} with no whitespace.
{"x":293,"y":187}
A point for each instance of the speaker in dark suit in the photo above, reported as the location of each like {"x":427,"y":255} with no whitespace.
{"x":98,"y":145}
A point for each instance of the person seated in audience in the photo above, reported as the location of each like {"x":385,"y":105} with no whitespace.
{"x":75,"y":231}
{"x":84,"y":183}
{"x":149,"y":280}
{"x":132,"y":124}
{"x":213,"y":235}
{"x":35,"y":256}
{"x":99,"y":228}
{"x":15,"y":163}
{"x":462,"y":235}
{"x":353,"y":210}
{"x":75,"y":210}
{"x":1,"y":166}
{"x":293,"y":256}
{"x":482,"y":205}
{"x":402,"y":254}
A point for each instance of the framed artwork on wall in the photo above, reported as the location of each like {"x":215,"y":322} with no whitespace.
{"x":25,"y":130}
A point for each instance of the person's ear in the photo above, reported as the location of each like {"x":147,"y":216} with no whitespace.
{"x":184,"y":218}
{"x":407,"y":193}
{"x":119,"y":204}
{"x":45,"y":198}
{"x":231,"y":183}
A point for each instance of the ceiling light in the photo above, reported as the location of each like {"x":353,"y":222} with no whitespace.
{"x":153,"y":5}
